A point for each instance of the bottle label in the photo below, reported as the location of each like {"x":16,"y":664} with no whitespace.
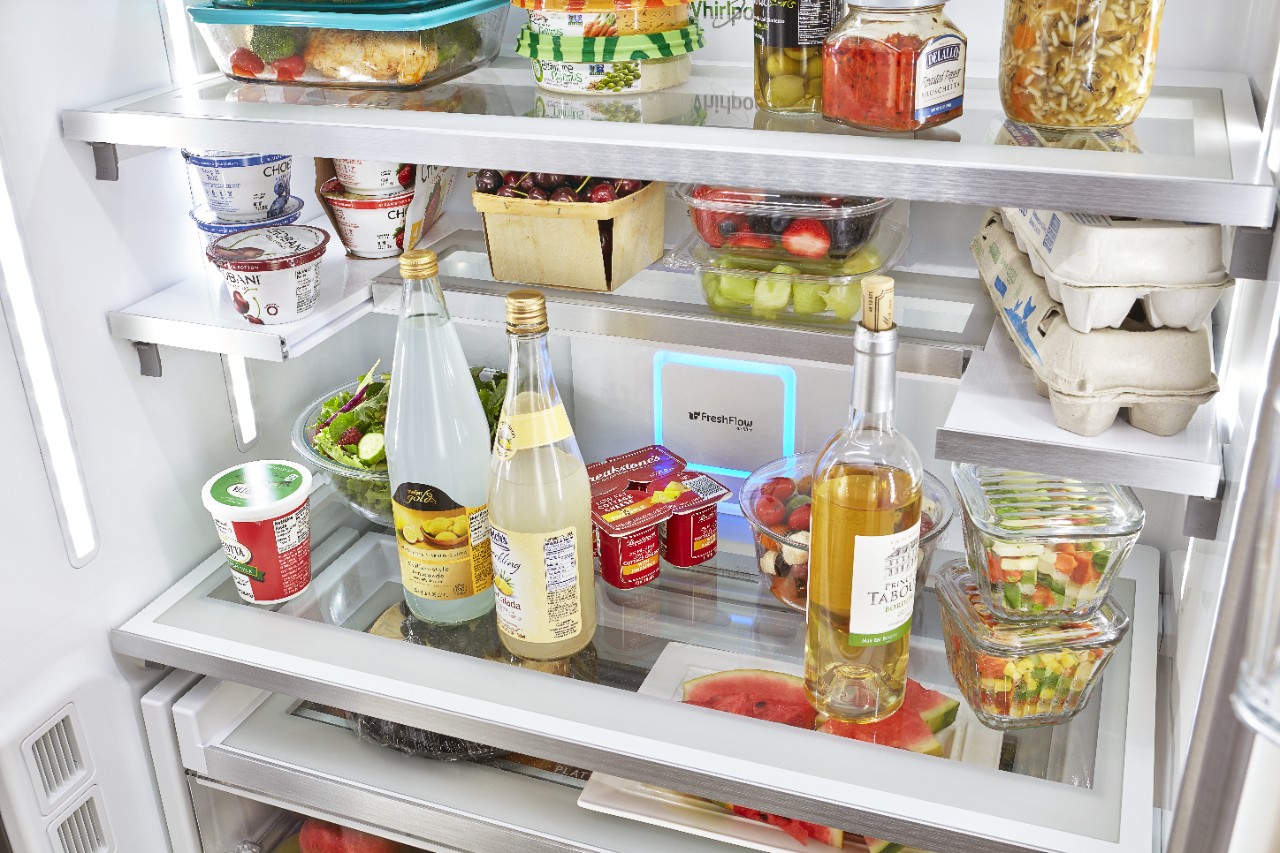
{"x":536,"y":584}
{"x":793,"y":23}
{"x":443,"y":545}
{"x":531,"y":429}
{"x":884,"y":587}
{"x":940,"y":76}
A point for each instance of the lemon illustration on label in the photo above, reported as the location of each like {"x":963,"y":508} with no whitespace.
{"x":503,"y":583}
{"x":412,"y":533}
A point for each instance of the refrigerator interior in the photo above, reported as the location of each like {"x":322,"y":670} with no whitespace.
{"x":139,"y":446}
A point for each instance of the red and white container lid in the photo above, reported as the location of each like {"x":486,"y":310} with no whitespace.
{"x":267,"y":249}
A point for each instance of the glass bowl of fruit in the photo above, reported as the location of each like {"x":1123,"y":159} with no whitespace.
{"x":776,"y":502}
{"x":1014,"y":674}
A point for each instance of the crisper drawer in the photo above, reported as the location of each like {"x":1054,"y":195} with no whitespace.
{"x":1083,"y":787}
{"x":285,"y":753}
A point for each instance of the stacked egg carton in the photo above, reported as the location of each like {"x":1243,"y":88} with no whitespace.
{"x":1067,"y":302}
{"x":242,"y":191}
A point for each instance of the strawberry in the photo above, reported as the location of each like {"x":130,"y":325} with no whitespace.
{"x":405,"y":174}
{"x":806,"y":238}
{"x":351,"y":436}
{"x":747,"y":240}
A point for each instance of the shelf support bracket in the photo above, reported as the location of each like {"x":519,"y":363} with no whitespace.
{"x":1203,"y":514}
{"x":148,"y":359}
{"x":1251,"y":252}
{"x":106,"y":161}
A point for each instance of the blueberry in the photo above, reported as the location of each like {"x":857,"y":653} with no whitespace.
{"x":727,"y":228}
{"x":778,"y":224}
{"x":849,"y":235}
{"x":758,"y":224}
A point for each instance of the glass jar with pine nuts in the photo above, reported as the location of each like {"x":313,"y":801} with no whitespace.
{"x":1078,"y":63}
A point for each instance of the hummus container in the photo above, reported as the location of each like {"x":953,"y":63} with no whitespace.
{"x":1160,"y":375}
{"x":211,"y":227}
{"x":1097,"y":266}
{"x":1016,"y":676}
{"x":638,"y":20}
{"x":242,"y":187}
{"x":625,"y":514}
{"x":261,"y":513}
{"x":370,"y":226}
{"x":376,"y":49}
{"x":594,"y":5}
{"x":272,"y":274}
{"x":611,"y":66}
{"x":1044,"y":548}
{"x":374,"y":177}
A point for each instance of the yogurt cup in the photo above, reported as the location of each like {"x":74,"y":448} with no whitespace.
{"x":374,"y":177}
{"x":272,"y":274}
{"x":243,"y":187}
{"x":211,"y":227}
{"x":690,"y":536}
{"x":370,"y":226}
{"x":262,"y":515}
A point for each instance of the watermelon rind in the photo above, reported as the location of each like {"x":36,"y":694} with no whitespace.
{"x":875,"y":845}
{"x":937,"y":710}
{"x":896,"y":730}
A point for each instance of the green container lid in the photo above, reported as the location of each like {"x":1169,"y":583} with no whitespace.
{"x":609,"y":49}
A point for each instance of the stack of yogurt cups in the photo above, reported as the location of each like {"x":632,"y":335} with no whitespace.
{"x":369,"y":200}
{"x":242,"y":191}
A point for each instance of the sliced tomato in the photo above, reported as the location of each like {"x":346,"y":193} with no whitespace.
{"x":991,"y":667}
{"x":994,"y":573}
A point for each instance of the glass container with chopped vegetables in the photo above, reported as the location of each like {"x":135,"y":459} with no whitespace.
{"x":1044,"y":548}
{"x":1018,"y":675}
{"x":1078,"y":63}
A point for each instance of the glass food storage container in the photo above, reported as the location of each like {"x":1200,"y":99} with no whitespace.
{"x":1044,"y":548}
{"x":818,"y":291}
{"x":370,"y":50}
{"x":780,"y":527}
{"x":779,"y":225}
{"x":894,"y":65}
{"x":788,"y":52}
{"x":1078,"y":63}
{"x":1017,"y":675}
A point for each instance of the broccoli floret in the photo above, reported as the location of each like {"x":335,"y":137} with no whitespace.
{"x":459,"y":39}
{"x":273,"y":43}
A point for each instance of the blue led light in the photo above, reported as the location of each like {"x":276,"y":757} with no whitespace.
{"x":729,"y":365}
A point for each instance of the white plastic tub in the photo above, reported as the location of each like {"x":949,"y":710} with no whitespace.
{"x":242,"y":187}
{"x":211,"y":227}
{"x":374,"y":177}
{"x":370,"y":226}
{"x":272,"y":274}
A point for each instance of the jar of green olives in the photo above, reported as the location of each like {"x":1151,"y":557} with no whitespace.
{"x":788,"y":53}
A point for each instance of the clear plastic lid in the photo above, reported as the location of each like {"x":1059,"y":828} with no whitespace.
{"x":1017,"y":504}
{"x":958,"y":592}
{"x":770,"y":203}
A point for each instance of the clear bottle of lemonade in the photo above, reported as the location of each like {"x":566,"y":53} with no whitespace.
{"x":539,"y":503}
{"x":866,"y":537}
{"x":437,"y":454}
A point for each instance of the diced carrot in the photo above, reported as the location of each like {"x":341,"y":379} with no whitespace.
{"x":1083,"y":568}
{"x":1024,"y":37}
{"x":1064,"y":562}
{"x":994,"y":573}
{"x":1066,"y":547}
{"x":1042,"y":595}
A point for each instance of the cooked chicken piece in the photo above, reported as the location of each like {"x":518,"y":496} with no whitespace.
{"x":370,"y":56}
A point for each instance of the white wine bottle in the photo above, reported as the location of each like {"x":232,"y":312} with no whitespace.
{"x":437,"y":455}
{"x":539,"y":503}
{"x":865,"y":538}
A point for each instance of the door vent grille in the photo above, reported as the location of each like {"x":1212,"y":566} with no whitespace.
{"x":83,"y":830}
{"x":56,"y":758}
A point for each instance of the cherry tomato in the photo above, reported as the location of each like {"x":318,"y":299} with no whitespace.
{"x":801,"y":517}
{"x":290,"y":68}
{"x":769,"y":510}
{"x":246,"y":62}
{"x":780,"y":488}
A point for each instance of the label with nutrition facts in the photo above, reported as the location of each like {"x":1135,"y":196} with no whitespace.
{"x":536,"y":584}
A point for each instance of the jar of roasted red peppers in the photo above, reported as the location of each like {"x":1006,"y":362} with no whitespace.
{"x":894,"y":65}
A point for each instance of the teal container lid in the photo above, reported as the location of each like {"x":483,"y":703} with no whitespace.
{"x":383,"y":22}
{"x":343,"y":6}
{"x":611,"y":48}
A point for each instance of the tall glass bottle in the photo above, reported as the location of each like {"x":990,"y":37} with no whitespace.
{"x":539,"y":503}
{"x":437,"y":452}
{"x":866,"y":536}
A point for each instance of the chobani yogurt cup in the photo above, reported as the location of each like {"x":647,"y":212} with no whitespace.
{"x":211,"y":227}
{"x":243,"y":187}
{"x":374,"y":177}
{"x":261,"y":513}
{"x":272,"y":274}
{"x":370,"y":226}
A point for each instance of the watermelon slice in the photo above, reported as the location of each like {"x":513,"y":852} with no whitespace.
{"x":937,"y":710}
{"x":875,"y":845}
{"x":800,"y":830}
{"x":904,"y":729}
{"x":755,"y":693}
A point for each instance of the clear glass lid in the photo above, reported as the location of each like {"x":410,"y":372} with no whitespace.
{"x":1013,"y":504}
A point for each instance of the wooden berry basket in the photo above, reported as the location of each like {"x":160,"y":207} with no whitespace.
{"x":558,"y":243}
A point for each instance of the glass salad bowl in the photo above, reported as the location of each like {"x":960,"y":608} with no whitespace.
{"x":782,"y":543}
{"x":366,"y":490}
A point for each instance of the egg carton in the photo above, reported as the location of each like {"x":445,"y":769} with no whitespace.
{"x":1161,"y":376}
{"x":1098,"y":266}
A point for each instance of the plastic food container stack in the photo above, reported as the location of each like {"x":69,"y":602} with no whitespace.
{"x":211,"y":227}
{"x":1044,"y":548}
{"x":373,"y":49}
{"x":1161,"y":375}
{"x":1018,"y":675}
{"x":1097,"y":266}
{"x":611,"y":65}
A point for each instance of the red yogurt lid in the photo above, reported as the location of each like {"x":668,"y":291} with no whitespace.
{"x":339,"y":196}
{"x":277,"y":247}
{"x":635,"y":469}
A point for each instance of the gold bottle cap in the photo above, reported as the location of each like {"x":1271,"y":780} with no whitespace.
{"x":877,"y":303}
{"x":526,"y":312}
{"x":419,"y":263}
